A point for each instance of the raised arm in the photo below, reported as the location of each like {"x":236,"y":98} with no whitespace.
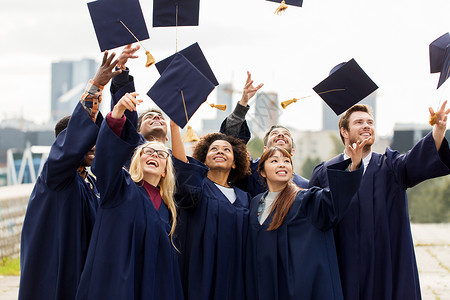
{"x":124,"y":83}
{"x":116,"y":142}
{"x":440,"y":126}
{"x":178,"y":150}
{"x":72,"y":145}
{"x":235,"y":124}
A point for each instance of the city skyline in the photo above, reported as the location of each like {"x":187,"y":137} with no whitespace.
{"x":290,"y":53}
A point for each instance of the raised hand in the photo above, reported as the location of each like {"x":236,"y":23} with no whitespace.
{"x":127,"y":53}
{"x":440,"y":123}
{"x":355,"y":152}
{"x":249,"y":90}
{"x":105,"y":71}
{"x":128,"y":101}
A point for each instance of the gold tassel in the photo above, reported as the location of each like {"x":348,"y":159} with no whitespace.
{"x":432,"y":120}
{"x":150,"y":59}
{"x":281,"y":8}
{"x":222,"y":107}
{"x":190,"y":135}
{"x":284,"y":104}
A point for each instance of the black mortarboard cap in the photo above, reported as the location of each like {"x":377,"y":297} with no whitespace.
{"x":437,"y":52}
{"x":111,"y":33}
{"x":175,"y":13}
{"x":181,"y":89}
{"x":290,"y":2}
{"x":345,"y":87}
{"x":194,"y":54}
{"x":440,"y":57}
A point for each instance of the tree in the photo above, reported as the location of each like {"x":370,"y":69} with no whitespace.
{"x":255,"y":147}
{"x":429,"y":202}
{"x":309,"y":165}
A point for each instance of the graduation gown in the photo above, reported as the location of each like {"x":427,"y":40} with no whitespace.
{"x":130,"y":255}
{"x":60,"y":216}
{"x":210,"y":235}
{"x":373,"y":241}
{"x":298,"y":260}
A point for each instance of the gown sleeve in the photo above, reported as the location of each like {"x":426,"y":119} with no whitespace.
{"x":420,"y":163}
{"x":189,"y":181}
{"x":70,"y":148}
{"x":326,"y":207}
{"x":112,"y":152}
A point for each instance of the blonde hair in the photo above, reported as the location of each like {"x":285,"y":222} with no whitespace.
{"x":166,"y":183}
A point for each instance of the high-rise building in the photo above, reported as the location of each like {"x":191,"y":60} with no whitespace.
{"x":69,"y":78}
{"x":330,"y":120}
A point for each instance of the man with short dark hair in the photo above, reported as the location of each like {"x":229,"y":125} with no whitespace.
{"x":236,"y":125}
{"x":61,"y":211}
{"x":373,"y":241}
{"x":151,"y":124}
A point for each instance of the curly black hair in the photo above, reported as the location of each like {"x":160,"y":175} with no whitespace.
{"x":61,"y":125}
{"x":241,"y":157}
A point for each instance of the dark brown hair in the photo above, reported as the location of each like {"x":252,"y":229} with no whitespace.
{"x":141,"y":116}
{"x":286,"y":197}
{"x":61,"y":125}
{"x":266,"y":136}
{"x":345,"y":117}
{"x":241,"y":157}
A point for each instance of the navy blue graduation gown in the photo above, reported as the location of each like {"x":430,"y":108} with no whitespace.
{"x":130,"y":255}
{"x":373,"y":241}
{"x":210,"y":234}
{"x":60,"y":216}
{"x":298,"y":260}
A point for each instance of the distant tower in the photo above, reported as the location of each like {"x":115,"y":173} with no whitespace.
{"x":266,"y":112}
{"x":69,"y":78}
{"x":330,"y":120}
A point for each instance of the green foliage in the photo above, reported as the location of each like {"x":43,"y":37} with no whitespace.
{"x":338,"y":147}
{"x":10,"y":266}
{"x":429,"y":202}
{"x":256,"y":147}
{"x":309,"y":165}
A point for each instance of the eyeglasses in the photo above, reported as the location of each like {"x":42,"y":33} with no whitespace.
{"x":160,"y":153}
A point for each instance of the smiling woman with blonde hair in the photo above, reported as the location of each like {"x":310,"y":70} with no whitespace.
{"x":131,"y":255}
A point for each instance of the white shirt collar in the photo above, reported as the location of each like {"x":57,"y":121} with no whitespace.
{"x":366,"y":159}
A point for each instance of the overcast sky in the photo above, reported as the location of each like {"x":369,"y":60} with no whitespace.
{"x":290,"y":54}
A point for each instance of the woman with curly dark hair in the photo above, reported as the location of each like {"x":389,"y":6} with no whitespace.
{"x":213,"y":216}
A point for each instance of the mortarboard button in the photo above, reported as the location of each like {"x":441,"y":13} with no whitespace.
{"x":111,"y":33}
{"x":346,"y":85}
{"x":168,"y":13}
{"x":194,"y":54}
{"x":180,"y":90}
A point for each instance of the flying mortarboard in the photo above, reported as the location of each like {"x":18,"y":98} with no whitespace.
{"x":284,"y":4}
{"x":182,"y":87}
{"x":168,"y":13}
{"x":118,"y":23}
{"x":346,"y":85}
{"x":440,"y":57}
{"x":194,"y":54}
